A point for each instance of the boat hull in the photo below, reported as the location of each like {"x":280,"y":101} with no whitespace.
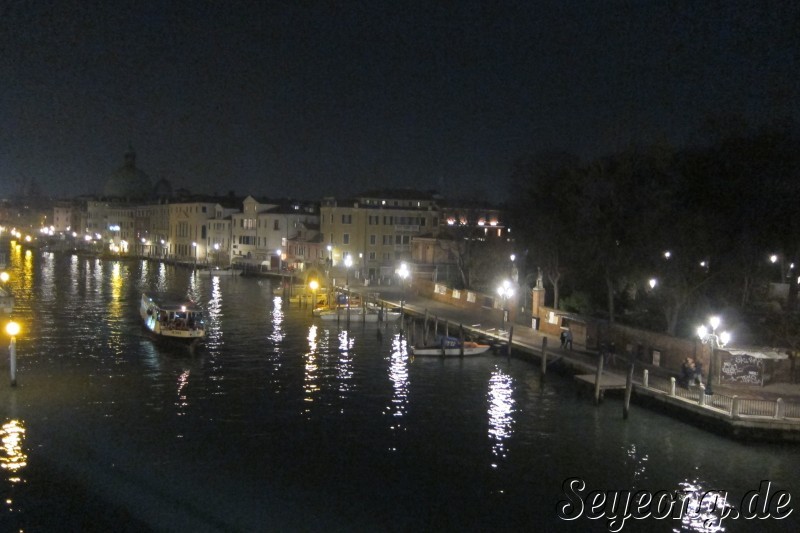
{"x":358,"y":315}
{"x":438,"y":351}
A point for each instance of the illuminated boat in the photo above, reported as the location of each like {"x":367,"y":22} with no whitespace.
{"x":174,"y":321}
{"x":451,"y":347}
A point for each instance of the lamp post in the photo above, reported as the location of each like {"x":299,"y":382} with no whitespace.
{"x":403,"y":272}
{"x":715,"y":341}
{"x":505,"y":290}
{"x":12,"y":328}
{"x":313,"y":285}
{"x":348,"y":262}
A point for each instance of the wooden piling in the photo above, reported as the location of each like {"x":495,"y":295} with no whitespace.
{"x":544,"y":356}
{"x":597,"y":379}
{"x":425,"y":329}
{"x":628,"y":389}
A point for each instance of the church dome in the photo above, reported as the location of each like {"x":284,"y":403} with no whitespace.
{"x":128,"y":181}
{"x":162,"y":189}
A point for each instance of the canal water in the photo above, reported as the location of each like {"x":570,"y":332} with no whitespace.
{"x":286,"y":423}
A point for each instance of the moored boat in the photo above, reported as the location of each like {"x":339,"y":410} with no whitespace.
{"x":451,"y":347}
{"x":173,"y":321}
{"x":358,"y":314}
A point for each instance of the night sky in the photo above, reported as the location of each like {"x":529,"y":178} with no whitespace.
{"x":306,"y":99}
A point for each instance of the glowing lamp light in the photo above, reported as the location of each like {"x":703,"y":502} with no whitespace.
{"x":4,"y":277}
{"x":12,"y":328}
{"x":313,"y":284}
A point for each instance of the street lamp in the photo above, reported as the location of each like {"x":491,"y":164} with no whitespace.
{"x":348,"y":262}
{"x":403,"y":272}
{"x":12,"y":328}
{"x":715,"y":341}
{"x":505,"y":290}
{"x":313,"y":285}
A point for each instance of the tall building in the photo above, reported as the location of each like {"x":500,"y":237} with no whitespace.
{"x":374,"y":230}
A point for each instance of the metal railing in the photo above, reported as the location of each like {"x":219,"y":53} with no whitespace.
{"x":733,"y":406}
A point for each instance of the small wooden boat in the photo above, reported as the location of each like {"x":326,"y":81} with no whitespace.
{"x":451,"y":347}
{"x":181,"y":322}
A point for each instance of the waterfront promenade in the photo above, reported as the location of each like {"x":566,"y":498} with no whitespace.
{"x":769,"y":412}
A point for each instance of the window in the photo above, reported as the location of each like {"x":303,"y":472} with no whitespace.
{"x":276,"y":225}
{"x":372,"y":256}
{"x":346,"y":238}
{"x":373,"y":239}
{"x":347,"y":219}
{"x":387,"y":239}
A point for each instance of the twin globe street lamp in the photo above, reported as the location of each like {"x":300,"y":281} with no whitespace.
{"x":715,"y":341}
{"x":505,"y":290}
{"x":403,"y":272}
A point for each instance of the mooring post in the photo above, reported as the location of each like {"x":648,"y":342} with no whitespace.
{"x":628,"y":389}
{"x":597,"y":377}
{"x":425,"y":329}
{"x":646,"y":378}
{"x":544,"y":356}
{"x":435,"y":326}
{"x":510,"y":340}
{"x":461,"y":338}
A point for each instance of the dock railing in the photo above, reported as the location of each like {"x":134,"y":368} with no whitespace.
{"x":733,"y":406}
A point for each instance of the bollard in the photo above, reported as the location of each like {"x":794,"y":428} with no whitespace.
{"x":735,"y":407}
{"x":646,"y":378}
{"x":672,"y":386}
{"x":780,"y":408}
{"x":702,"y":400}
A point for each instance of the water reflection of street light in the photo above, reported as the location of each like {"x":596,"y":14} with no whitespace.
{"x":194,"y":245}
{"x":505,"y":290}
{"x":715,"y":341}
{"x":216,"y":250}
{"x":348,"y":262}
{"x":12,"y":328}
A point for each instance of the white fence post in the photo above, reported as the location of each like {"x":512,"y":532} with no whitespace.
{"x":702,"y":400}
{"x":646,"y":378}
{"x":735,"y":407}
{"x":672,"y":386}
{"x":780,"y":408}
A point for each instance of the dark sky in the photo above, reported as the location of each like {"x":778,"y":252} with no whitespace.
{"x":305,"y":99}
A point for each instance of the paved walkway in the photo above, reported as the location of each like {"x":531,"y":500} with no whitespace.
{"x":490,"y":321}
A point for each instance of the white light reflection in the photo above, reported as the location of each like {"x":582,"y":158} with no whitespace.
{"x":13,"y":458}
{"x":310,"y":378}
{"x":183,"y":381}
{"x":277,"y":320}
{"x":344,"y":366}
{"x":639,"y":463}
{"x":702,"y":508}
{"x":501,"y":407}
{"x":398,"y":374}
{"x":214,"y":311}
